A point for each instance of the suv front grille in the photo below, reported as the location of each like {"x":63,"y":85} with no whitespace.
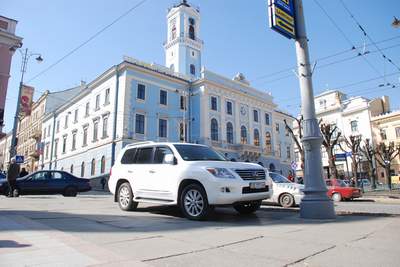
{"x":251,"y":174}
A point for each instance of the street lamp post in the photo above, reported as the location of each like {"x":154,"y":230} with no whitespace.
{"x":26,"y":55}
{"x":315,"y":204}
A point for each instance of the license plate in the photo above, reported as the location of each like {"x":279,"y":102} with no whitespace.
{"x":257,"y":185}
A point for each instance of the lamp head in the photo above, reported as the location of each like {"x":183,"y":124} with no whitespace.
{"x":39,"y":59}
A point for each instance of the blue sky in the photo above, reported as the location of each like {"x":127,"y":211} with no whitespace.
{"x":236,"y":38}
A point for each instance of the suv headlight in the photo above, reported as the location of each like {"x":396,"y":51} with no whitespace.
{"x":221,"y":173}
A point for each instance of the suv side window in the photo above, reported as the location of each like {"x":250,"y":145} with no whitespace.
{"x":160,"y":153}
{"x":129,"y":156}
{"x":144,"y":155}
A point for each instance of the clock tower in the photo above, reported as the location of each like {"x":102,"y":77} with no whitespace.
{"x":183,"y":46}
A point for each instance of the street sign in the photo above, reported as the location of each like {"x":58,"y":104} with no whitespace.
{"x":340,"y":157}
{"x":293,"y":164}
{"x":19,"y":159}
{"x":282,"y":18}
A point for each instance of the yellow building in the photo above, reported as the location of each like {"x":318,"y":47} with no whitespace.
{"x":386,"y":128}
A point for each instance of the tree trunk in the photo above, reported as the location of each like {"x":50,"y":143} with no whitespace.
{"x":332,"y":166}
{"x":388,"y":177}
{"x":372,"y":175}
{"x":354,"y":169}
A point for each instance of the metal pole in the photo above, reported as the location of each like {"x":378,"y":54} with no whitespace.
{"x":315,"y":204}
{"x":13,"y":149}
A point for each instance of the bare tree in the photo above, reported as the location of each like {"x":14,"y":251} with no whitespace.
{"x":353,"y":143}
{"x":385,"y":155}
{"x":297,"y":139}
{"x":330,"y":140}
{"x":368,"y":151}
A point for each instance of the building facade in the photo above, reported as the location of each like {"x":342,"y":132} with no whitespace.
{"x":180,"y":102}
{"x":9,"y":42}
{"x":351,"y":116}
{"x":5,"y":144}
{"x":386,"y":129}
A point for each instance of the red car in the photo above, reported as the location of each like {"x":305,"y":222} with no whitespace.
{"x":338,"y":190}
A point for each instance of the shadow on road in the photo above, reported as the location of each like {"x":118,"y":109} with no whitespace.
{"x":12,"y":244}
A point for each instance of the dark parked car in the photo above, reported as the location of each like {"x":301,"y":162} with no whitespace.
{"x":48,"y":182}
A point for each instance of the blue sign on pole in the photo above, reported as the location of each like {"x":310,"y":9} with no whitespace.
{"x":19,"y":159}
{"x":282,"y":17}
{"x":340,"y":157}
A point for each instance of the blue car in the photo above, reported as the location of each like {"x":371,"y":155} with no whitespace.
{"x":48,"y":183}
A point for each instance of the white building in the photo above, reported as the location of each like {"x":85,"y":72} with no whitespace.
{"x":351,"y":115}
{"x":5,"y":144}
{"x":185,"y":102}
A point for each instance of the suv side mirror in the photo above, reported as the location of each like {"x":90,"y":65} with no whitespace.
{"x":169,"y":159}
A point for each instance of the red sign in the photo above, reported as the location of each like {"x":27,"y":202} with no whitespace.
{"x":25,"y":107}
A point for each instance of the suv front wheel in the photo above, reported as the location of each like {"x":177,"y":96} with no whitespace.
{"x":193,"y":202}
{"x":125,"y":197}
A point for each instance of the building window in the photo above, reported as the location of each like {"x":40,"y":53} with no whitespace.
{"x":87,"y":109}
{"x":105,"y":127}
{"x":55,"y":147}
{"x":83,"y":169}
{"x":297,"y":156}
{"x":47,"y":151}
{"x":268,"y":142}
{"x":277,"y":127}
{"x":383,"y":134}
{"x":191,"y":32}
{"x":163,"y":97}
{"x":243,"y":135}
{"x":214,"y":130}
{"x":66,"y":122}
{"x":279,"y":150}
{"x":288,"y":152}
{"x":141,"y":92}
{"x":354,"y":126}
{"x":71,"y":169}
{"x":397,"y":129}
{"x":183,"y":102}
{"x":107,"y":97}
{"x":255,"y":115}
{"x":229,"y":133}
{"x":95,"y":130}
{"x":182,"y":133}
{"x":103,"y":165}
{"x":97,"y":107}
{"x":214,"y":103}
{"x":229,"y":108}
{"x":93,"y":167}
{"x":64,"y":145}
{"x":139,"y":124}
{"x":192,"y":69}
{"x":266,"y":119}
{"x":74,"y":141}
{"x":85,"y":135}
{"x":162,"y":128}
{"x":58,"y":126}
{"x":256,"y":137}
{"x":76,"y":116}
{"x":173,"y":31}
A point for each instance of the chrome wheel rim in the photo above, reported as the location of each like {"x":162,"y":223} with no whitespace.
{"x":193,"y":202}
{"x":336,"y":197}
{"x":124,"y":196}
{"x":286,"y":200}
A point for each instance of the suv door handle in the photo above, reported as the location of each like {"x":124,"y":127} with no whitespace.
{"x":152,"y":171}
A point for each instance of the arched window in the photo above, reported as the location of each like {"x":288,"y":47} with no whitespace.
{"x":103,"y":165}
{"x":173,"y":32}
{"x":83,"y":169}
{"x":214,"y":130}
{"x":256,"y":137}
{"x":93,"y":167}
{"x":229,"y":133}
{"x":72,"y":169}
{"x":268,"y":142}
{"x":191,"y":32}
{"x":243,"y":135}
{"x":192,"y":69}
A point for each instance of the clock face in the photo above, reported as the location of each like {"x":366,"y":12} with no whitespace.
{"x":243,"y":111}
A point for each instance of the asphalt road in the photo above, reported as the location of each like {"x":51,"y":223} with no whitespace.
{"x":90,"y":230}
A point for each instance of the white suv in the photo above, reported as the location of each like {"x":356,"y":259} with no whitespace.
{"x":195,"y":177}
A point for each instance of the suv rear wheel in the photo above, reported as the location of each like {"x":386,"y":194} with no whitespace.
{"x":125,"y":197}
{"x":193,"y":202}
{"x":247,"y":208}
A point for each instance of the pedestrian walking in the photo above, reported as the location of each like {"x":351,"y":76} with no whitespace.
{"x":12,"y":175}
{"x":23,"y":172}
{"x":290,"y":176}
{"x":103,"y":182}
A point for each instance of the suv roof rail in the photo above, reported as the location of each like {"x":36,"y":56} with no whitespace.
{"x":140,"y":143}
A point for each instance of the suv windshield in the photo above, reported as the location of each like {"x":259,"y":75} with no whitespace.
{"x":193,"y":153}
{"x":279,"y":179}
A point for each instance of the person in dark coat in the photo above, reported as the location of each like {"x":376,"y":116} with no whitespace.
{"x":23,"y":172}
{"x":12,"y":175}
